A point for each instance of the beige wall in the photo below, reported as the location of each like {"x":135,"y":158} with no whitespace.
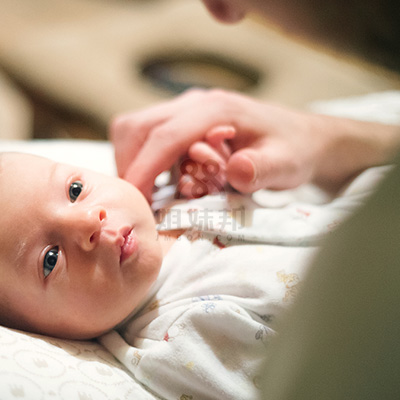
{"x":85,"y":56}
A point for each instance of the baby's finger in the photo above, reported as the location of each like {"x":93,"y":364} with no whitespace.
{"x":211,"y":167}
{"x":202,"y":153}
{"x":191,"y":188}
{"x":207,"y":166}
{"x":217,"y":137}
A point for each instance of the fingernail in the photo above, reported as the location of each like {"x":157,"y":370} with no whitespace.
{"x":243,"y":171}
{"x":249,"y":169}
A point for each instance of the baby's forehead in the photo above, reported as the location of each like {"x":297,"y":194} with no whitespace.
{"x":14,"y":163}
{"x":18,"y":172}
{"x":24,"y":160}
{"x":20,"y":176}
{"x":20,"y":157}
{"x":8,"y":163}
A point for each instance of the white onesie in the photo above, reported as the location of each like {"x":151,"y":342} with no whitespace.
{"x":202,"y":331}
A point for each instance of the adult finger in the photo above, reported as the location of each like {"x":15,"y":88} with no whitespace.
{"x":267,"y":166}
{"x":129,"y":131}
{"x":164,"y":146}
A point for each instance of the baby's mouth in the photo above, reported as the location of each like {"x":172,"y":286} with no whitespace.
{"x":129,"y":246}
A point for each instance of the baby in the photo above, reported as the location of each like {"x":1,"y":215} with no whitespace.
{"x":78,"y":250}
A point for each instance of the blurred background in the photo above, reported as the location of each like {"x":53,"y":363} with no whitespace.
{"x":68,"y":66}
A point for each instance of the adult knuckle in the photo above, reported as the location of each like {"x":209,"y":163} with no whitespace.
{"x":218,"y":95}
{"x":118,"y":125}
{"x":194,"y":92}
{"x":123,"y":126}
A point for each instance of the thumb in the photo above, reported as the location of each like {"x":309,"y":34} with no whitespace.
{"x":251,"y":169}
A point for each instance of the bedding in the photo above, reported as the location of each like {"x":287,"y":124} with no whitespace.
{"x":38,"y":367}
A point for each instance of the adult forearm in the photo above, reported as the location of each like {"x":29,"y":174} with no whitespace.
{"x":352,"y":146}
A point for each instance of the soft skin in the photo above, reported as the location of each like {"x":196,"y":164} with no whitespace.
{"x":101,"y":272}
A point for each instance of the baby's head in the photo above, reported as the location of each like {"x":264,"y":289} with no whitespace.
{"x":78,"y":249}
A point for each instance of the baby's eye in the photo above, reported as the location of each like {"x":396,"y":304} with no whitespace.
{"x":50,"y":261}
{"x":75,"y":190}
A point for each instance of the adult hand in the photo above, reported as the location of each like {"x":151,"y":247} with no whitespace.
{"x":272,"y":146}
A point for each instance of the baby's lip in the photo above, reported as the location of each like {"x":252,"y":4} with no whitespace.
{"x":129,"y":245}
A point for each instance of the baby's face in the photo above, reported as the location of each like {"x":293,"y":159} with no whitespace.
{"x":78,"y":249}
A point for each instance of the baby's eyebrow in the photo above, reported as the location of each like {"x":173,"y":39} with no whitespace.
{"x":21,"y":255}
{"x":52,"y":171}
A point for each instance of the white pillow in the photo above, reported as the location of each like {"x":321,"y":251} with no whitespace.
{"x":96,"y":155}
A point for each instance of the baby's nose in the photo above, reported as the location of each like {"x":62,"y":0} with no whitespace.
{"x":85,"y":226}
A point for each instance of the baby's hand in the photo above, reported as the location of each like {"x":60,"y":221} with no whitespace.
{"x":204,"y":172}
